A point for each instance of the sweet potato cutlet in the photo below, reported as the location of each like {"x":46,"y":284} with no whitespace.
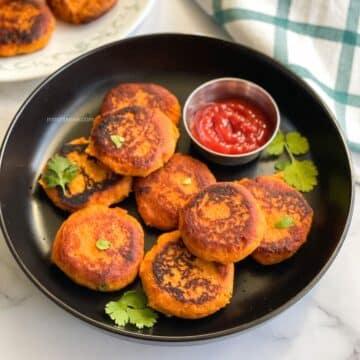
{"x":25,"y":26}
{"x":99,"y":247}
{"x":278,"y":199}
{"x":223,"y":223}
{"x":94,"y":184}
{"x":178,"y":283}
{"x":80,"y":11}
{"x":146,"y":95}
{"x":163,"y":193}
{"x":133,"y":141}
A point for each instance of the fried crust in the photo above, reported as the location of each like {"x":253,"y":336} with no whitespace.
{"x":80,"y":11}
{"x":75,"y":252}
{"x":180,"y":284}
{"x":25,"y":26}
{"x":222,"y":223}
{"x":140,"y":94}
{"x":277,"y":199}
{"x":162,"y":194}
{"x":95,"y":184}
{"x":149,"y":140}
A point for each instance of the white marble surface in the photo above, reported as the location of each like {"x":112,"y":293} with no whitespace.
{"x":325,"y":324}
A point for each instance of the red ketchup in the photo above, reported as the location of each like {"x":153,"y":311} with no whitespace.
{"x":233,"y":126}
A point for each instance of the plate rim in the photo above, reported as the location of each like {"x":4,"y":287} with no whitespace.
{"x":142,"y":13}
{"x":184,"y":338}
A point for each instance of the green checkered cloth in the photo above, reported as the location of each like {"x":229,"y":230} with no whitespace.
{"x":317,"y":39}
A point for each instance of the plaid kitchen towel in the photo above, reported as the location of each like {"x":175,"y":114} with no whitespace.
{"x":317,"y":39}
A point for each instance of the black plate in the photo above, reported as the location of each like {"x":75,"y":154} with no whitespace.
{"x":61,"y":108}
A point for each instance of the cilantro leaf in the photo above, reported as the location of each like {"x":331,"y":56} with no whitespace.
{"x":51,"y":178}
{"x":281,"y":164}
{"x":142,"y":317}
{"x":131,"y":308}
{"x":285,"y":222}
{"x":301,"y":175}
{"x":117,"y":140}
{"x":59,"y":163}
{"x":297,"y":143}
{"x":276,"y":147}
{"x":60,"y":171}
{"x":103,"y":244}
{"x":187,"y":181}
{"x":135,"y":299}
{"x":71,"y":171}
{"x":117,"y":312}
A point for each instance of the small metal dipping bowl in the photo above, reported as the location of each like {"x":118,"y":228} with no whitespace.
{"x":230,"y":88}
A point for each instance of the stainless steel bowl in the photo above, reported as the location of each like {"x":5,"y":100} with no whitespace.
{"x":230,"y":88}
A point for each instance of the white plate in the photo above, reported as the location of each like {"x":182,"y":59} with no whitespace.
{"x":69,"y":41}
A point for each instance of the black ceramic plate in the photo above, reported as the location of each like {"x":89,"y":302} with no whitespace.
{"x":62,"y":107}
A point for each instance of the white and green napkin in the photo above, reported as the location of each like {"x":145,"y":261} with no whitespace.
{"x":317,"y":39}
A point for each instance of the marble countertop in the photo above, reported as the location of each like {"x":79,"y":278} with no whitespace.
{"x":325,"y":324}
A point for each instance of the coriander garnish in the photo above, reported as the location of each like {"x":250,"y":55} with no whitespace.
{"x":103,"y":244}
{"x":276,"y":147}
{"x":117,"y":140}
{"x":60,"y":171}
{"x":285,"y":222}
{"x":131,"y":308}
{"x":298,"y":144}
{"x":301,"y":174}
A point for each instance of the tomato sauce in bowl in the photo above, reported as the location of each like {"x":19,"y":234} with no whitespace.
{"x":230,"y":120}
{"x":232,"y":126}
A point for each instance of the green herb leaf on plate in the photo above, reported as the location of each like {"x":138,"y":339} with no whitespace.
{"x":103,"y":244}
{"x":131,"y":308}
{"x":60,"y":171}
{"x":301,"y":175}
{"x":117,"y":312}
{"x":285,"y":222}
{"x":276,"y":147}
{"x":280,"y":164}
{"x":117,"y":140}
{"x":134,"y":299}
{"x":187,"y":181}
{"x":297,"y":143}
{"x":142,"y":317}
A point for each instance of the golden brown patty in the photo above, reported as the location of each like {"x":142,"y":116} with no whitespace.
{"x":133,"y":141}
{"x":222,"y":223}
{"x":163,"y":193}
{"x":146,"y":95}
{"x":94,"y":184}
{"x":99,"y":248}
{"x":25,"y":26}
{"x":80,"y":11}
{"x":178,"y":283}
{"x":277,"y":199}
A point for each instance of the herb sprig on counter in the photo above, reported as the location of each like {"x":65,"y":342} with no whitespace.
{"x":131,"y":308}
{"x":301,"y":174}
{"x":60,"y":171}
